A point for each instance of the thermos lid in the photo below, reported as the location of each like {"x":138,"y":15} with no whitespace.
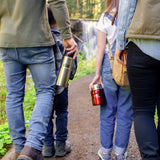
{"x":67,"y":61}
{"x":97,"y":86}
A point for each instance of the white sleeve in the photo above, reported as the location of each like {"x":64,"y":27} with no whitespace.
{"x":102,"y":24}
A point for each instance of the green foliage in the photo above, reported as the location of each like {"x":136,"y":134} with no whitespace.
{"x":29,"y":102}
{"x":85,"y":8}
{"x":2,"y":95}
{"x":85,"y":67}
{"x":4,"y":138}
{"x":156,"y":116}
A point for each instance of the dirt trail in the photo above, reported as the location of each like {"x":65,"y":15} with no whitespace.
{"x":83,"y":126}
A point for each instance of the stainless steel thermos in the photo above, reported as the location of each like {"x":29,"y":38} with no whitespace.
{"x":97,"y":94}
{"x":65,"y":70}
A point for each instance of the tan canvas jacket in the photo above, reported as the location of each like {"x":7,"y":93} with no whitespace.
{"x":24,"y":23}
{"x":146,"y":21}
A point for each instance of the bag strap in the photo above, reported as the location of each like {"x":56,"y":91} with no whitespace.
{"x":110,"y":55}
{"x":110,"y":17}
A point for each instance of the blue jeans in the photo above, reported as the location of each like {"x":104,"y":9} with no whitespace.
{"x":144,"y":78}
{"x":41,"y":63}
{"x":60,"y":107}
{"x":116,"y":112}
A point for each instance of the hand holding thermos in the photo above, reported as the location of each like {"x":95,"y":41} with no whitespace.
{"x":65,"y":70}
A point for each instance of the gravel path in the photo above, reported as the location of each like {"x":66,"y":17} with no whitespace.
{"x":83,"y":126}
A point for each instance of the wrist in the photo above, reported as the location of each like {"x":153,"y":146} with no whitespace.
{"x":97,"y":75}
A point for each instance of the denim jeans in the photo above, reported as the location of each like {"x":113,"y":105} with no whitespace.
{"x":41,"y":63}
{"x":60,"y":107}
{"x":116,"y":112}
{"x":144,"y":78}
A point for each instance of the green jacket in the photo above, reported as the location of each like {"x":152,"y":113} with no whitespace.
{"x":146,"y":21}
{"x":24,"y":23}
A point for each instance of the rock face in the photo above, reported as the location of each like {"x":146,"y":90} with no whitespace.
{"x":85,"y":34}
{"x":76,"y":24}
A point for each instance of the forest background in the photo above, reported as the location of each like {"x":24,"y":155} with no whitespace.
{"x":85,"y":8}
{"x":90,"y":9}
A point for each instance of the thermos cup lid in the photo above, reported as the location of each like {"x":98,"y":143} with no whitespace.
{"x":67,"y":61}
{"x":97,"y":86}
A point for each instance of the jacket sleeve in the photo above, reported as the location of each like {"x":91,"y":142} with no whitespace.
{"x":125,"y":14}
{"x":60,"y":12}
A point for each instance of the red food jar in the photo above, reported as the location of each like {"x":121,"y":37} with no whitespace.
{"x":97,"y":95}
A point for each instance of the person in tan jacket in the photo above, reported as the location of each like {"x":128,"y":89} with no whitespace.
{"x":139,"y":25}
{"x":26,"y":42}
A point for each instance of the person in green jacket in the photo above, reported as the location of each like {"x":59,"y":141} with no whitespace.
{"x":26,"y":42}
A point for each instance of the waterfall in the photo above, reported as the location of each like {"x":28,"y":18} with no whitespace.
{"x":89,"y":37}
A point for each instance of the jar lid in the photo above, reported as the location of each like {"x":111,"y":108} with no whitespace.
{"x":97,"y":86}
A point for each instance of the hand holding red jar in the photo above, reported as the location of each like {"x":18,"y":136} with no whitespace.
{"x":97,"y":94}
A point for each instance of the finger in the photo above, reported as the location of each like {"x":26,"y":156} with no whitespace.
{"x":121,"y":62}
{"x":90,"y":87}
{"x":102,"y":85}
{"x":120,"y":55}
{"x":72,"y":49}
{"x":75,"y":54}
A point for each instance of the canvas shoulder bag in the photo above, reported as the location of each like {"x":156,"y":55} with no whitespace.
{"x":119,"y":70}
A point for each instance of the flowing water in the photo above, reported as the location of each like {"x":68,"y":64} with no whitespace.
{"x":89,"y":38}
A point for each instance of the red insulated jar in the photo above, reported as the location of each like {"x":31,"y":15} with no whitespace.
{"x":97,"y":94}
